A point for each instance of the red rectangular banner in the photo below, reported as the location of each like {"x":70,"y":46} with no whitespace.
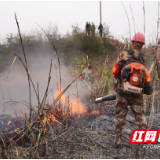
{"x":144,"y":136}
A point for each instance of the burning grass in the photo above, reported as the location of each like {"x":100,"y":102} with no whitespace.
{"x":45,"y":123}
{"x":67,"y":128}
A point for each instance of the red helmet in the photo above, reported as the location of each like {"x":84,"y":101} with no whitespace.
{"x":138,"y":37}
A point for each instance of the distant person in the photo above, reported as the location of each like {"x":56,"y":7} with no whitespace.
{"x":100,"y":29}
{"x":93,"y":29}
{"x":86,"y":27}
{"x":89,"y":29}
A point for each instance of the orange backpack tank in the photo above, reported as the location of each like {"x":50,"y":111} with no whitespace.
{"x":136,"y":74}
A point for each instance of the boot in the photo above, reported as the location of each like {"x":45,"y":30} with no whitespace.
{"x":117,"y":140}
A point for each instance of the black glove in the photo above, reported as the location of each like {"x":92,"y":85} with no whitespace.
{"x":148,"y":88}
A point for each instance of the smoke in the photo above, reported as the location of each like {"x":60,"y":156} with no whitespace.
{"x":16,"y":87}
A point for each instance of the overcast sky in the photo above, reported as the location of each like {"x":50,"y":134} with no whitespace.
{"x":67,"y":13}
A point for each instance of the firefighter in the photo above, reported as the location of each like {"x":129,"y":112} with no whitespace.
{"x":123,"y":99}
{"x":156,"y":62}
{"x":155,"y":50}
{"x":93,"y":29}
{"x":100,"y":28}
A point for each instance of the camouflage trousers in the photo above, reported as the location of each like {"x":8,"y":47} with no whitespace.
{"x":136,"y":105}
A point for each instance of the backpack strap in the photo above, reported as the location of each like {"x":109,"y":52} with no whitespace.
{"x":131,"y":56}
{"x":140,"y":56}
{"x":130,"y":51}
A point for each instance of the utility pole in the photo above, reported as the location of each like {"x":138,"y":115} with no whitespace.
{"x":100,"y":13}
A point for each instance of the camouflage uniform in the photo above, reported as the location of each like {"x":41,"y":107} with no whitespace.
{"x":124,"y":55}
{"x":136,"y":105}
{"x":124,"y":100}
{"x":156,"y":66}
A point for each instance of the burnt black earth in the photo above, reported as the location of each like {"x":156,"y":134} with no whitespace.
{"x":88,"y":136}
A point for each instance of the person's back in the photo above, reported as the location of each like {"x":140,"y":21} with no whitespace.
{"x":124,"y":55}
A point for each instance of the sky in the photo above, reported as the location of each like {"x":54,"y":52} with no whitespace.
{"x":67,"y":13}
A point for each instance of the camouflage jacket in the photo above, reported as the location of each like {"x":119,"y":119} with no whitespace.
{"x":157,"y":56}
{"x":124,"y":55}
{"x":155,"y":73}
{"x":121,"y":61}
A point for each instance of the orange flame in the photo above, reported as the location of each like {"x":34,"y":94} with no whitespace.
{"x":75,"y":105}
{"x":95,"y":112}
{"x":63,"y":98}
{"x":9,"y":123}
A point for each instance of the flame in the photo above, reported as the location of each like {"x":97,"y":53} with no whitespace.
{"x":63,"y":98}
{"x":95,"y":112}
{"x":9,"y":123}
{"x":75,"y":105}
